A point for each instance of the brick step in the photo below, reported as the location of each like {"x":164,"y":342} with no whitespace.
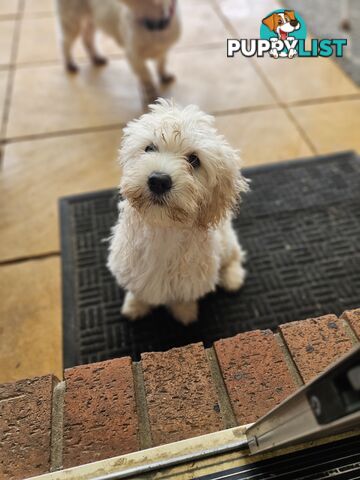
{"x":116,"y":407}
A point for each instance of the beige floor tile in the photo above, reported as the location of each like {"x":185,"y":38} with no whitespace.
{"x":263,"y":137}
{"x":36,"y":173}
{"x":306,"y":78}
{"x":331,"y":126}
{"x":245,"y":15}
{"x":6,"y":39}
{"x":9,"y":7}
{"x":39,"y":6}
{"x":39,"y":42}
{"x":46,"y":99}
{"x":30,"y":320}
{"x":200,"y":25}
{"x":215,"y":82}
{"x":3,"y":85}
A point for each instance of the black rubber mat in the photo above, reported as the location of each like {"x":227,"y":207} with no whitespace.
{"x":300,"y":226}
{"x":339,"y":460}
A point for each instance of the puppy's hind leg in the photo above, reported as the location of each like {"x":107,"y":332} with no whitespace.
{"x":184,"y":312}
{"x":133,"y":308}
{"x":164,"y":76}
{"x":88,"y":36}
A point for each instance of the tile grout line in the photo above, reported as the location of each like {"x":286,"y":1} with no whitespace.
{"x":284,"y":107}
{"x":109,"y":127}
{"x":12,"y":70}
{"x":300,"y":129}
{"x":63,"y":133}
{"x":265,"y":81}
{"x":226,"y":409}
{"x":40,"y":256}
{"x":145,"y":438}
{"x":57,"y":427}
{"x":9,"y":16}
{"x":322,"y":100}
{"x":293,"y":369}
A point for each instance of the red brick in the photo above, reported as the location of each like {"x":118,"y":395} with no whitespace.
{"x":316,"y":343}
{"x":100,"y":419}
{"x":353,"y":318}
{"x":180,"y":396}
{"x":25,"y":427}
{"x":255,"y":373}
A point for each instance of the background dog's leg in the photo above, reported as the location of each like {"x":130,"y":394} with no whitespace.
{"x":69,"y":30}
{"x":148,"y":89}
{"x":164,"y":76}
{"x":88,"y":35}
{"x":185,"y":312}
{"x":133,"y":308}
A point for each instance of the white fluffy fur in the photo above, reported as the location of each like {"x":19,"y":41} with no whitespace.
{"x":121,"y":20}
{"x":174,"y":253}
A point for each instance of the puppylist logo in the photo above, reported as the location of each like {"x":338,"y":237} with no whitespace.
{"x":283,"y":35}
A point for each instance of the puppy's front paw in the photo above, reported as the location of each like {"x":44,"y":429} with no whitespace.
{"x":232,"y":277}
{"x":133,"y":308}
{"x":185,"y":313}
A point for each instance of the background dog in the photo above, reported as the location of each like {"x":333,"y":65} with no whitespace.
{"x":282,"y":24}
{"x":146,"y":30}
{"x":174,"y":241}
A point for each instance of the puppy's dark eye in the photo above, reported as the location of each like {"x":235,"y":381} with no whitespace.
{"x":194,"y":160}
{"x":151,"y":148}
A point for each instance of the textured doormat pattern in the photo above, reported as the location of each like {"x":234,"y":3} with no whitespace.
{"x":340,"y":460}
{"x":300,"y":226}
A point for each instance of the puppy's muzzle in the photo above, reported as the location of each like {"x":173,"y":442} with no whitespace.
{"x":159,"y":182}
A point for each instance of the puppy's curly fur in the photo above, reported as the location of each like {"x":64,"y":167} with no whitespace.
{"x":174,"y":248}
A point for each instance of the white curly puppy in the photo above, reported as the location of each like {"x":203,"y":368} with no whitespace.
{"x":174,"y":241}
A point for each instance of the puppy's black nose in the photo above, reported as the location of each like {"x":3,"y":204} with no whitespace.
{"x":293,"y":23}
{"x":159,"y":182}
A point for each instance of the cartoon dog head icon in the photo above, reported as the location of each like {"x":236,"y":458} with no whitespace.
{"x":282,"y":23}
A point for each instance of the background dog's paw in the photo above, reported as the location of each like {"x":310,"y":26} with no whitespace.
{"x":133,"y":308}
{"x":71,"y":67}
{"x":99,"y":61}
{"x":185,"y":313}
{"x":232,"y":277}
{"x":167,"y":78}
{"x":149,"y":95}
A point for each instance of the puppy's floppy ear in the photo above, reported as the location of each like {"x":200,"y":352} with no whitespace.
{"x":291,"y":14}
{"x":270,"y":22}
{"x":225,"y":194}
